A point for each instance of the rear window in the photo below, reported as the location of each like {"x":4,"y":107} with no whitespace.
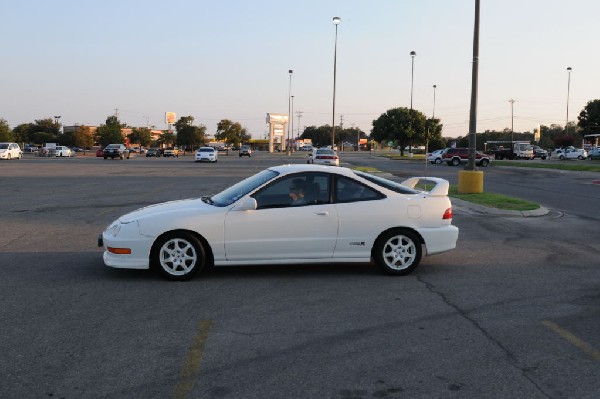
{"x":206,"y":150}
{"x":389,"y":184}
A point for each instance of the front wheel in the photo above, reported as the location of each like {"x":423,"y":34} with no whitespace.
{"x":455,"y":162}
{"x":438,"y":160}
{"x":484,"y":162}
{"x":580,"y":157}
{"x":397,"y":252}
{"x":178,"y":256}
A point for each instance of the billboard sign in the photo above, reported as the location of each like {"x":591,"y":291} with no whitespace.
{"x":170,"y":118}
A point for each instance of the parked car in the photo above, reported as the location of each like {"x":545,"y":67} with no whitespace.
{"x":30,"y":148}
{"x":205,"y":154}
{"x":10,"y":151}
{"x":594,"y":153}
{"x":345,"y":218}
{"x":113,"y":151}
{"x":63,"y":151}
{"x":153,"y":152}
{"x":570,"y":153}
{"x":539,"y":152}
{"x":435,"y":156}
{"x":460,"y":156}
{"x":171,"y":152}
{"x":245,"y":151}
{"x":324,"y":156}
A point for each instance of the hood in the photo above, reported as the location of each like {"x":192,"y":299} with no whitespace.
{"x":161,"y":209}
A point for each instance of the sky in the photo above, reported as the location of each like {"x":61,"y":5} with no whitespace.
{"x":229,"y":59}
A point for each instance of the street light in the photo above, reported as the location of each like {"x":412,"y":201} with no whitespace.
{"x":289,"y":112}
{"x":434,"y":87}
{"x":568,"y":89}
{"x":336,"y":22}
{"x":56,"y":118}
{"x":292,"y":120}
{"x":412,"y":75}
{"x":512,"y":123}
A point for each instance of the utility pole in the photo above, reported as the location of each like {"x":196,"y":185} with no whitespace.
{"x":299,"y":113}
{"x":512,"y":124}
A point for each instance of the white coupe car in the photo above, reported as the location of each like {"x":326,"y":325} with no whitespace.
{"x":344,"y":216}
{"x":206,"y":154}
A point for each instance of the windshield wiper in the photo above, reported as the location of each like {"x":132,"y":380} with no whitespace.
{"x":207,"y":199}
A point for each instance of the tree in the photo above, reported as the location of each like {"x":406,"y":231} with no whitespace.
{"x":319,"y":136}
{"x":141,"y":136}
{"x":231,"y":132}
{"x":5,"y":133}
{"x":167,"y":138}
{"x":188,"y":134}
{"x":110,"y":132}
{"x":402,"y":126}
{"x":589,"y":118}
{"x":22,"y":133}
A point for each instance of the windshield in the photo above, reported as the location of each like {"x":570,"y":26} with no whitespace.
{"x":390,"y":185}
{"x":206,"y":150}
{"x":238,"y":190}
{"x":3,"y":146}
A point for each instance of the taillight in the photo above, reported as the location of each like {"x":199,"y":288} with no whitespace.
{"x":447,"y":214}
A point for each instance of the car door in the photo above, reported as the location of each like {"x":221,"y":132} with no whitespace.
{"x":356,"y":204}
{"x":281,"y":231}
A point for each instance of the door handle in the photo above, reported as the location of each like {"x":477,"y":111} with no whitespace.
{"x":322,"y":213}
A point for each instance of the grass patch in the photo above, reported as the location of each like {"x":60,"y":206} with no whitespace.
{"x":366,"y":169}
{"x":493,"y":200}
{"x":581,"y":166}
{"x":396,"y":155}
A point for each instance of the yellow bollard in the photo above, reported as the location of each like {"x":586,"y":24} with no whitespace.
{"x":470,"y":182}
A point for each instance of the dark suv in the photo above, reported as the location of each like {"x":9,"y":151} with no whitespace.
{"x":113,"y":151}
{"x":457,"y":156}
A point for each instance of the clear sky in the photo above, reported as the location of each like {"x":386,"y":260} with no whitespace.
{"x":229,"y":59}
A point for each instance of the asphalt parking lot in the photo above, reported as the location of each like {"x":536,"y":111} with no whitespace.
{"x":512,"y":312}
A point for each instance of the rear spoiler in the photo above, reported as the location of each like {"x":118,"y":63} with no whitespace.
{"x":439,"y":190}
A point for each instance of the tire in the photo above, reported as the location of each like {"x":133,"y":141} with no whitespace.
{"x":455,"y":161}
{"x":543,"y":158}
{"x":484,"y":162}
{"x":580,"y":157}
{"x":105,"y":157}
{"x":397,"y":252}
{"x":178,"y":256}
{"x":9,"y":157}
{"x":561,"y":157}
{"x":438,"y":160}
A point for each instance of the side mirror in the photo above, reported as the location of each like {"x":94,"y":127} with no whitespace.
{"x":248,"y":204}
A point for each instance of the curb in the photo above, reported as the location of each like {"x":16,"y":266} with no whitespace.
{"x":541,"y":211}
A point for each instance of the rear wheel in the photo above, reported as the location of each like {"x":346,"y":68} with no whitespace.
{"x":178,"y":256}
{"x":397,"y":252}
{"x":455,"y":162}
{"x":484,"y":162}
{"x":438,"y":160}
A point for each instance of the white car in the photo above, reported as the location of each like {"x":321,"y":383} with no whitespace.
{"x":346,"y":216}
{"x":324,"y":156}
{"x":62,"y":151}
{"x":435,"y":156}
{"x":205,"y":154}
{"x":10,"y":151}
{"x":570,"y":153}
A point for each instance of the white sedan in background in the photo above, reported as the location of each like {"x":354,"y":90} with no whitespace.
{"x":63,"y":151}
{"x":435,"y":156}
{"x":206,"y":154}
{"x":324,"y":156}
{"x":10,"y":151}
{"x":345,"y":216}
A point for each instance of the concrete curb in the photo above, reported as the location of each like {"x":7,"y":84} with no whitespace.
{"x":541,"y":211}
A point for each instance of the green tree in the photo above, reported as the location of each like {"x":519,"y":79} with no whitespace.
{"x":167,"y":138}
{"x":320,"y":136}
{"x":402,"y":126}
{"x":5,"y":133}
{"x":589,"y":118}
{"x":110,"y":132}
{"x":231,"y":132}
{"x":188,"y":134}
{"x":141,"y":136}
{"x":22,"y":133}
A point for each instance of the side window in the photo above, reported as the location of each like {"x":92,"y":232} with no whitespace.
{"x":349,"y":190}
{"x":300,"y":189}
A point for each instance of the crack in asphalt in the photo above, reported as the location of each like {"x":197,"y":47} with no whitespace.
{"x":512,"y":360}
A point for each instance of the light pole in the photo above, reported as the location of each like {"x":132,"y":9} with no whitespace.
{"x":292,"y":122}
{"x":56,"y":118}
{"x":287,"y":148}
{"x":412,"y":76}
{"x":568,"y":90}
{"x":336,"y":22}
{"x":512,"y":124}
{"x":434,"y":87}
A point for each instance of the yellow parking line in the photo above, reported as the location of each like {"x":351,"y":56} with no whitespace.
{"x":191,"y":364}
{"x":573,"y":339}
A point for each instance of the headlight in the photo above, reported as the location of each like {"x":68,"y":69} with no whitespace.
{"x":114,"y":229}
